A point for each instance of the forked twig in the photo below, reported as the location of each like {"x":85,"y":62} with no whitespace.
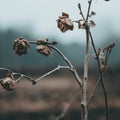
{"x":52,"y":71}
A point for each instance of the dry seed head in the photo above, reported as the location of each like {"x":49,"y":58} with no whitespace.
{"x":20,"y":46}
{"x":64,"y":23}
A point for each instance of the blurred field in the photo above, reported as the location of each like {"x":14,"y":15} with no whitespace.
{"x":51,"y":96}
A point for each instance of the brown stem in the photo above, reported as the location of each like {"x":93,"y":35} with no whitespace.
{"x":89,"y":6}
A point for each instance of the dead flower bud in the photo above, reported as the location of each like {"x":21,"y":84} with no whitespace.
{"x":20,"y":46}
{"x":44,"y":50}
{"x":64,"y":23}
{"x":8,"y":82}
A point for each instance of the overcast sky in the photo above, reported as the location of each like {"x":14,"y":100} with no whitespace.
{"x":41,"y":15}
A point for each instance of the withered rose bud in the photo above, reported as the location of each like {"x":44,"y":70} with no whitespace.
{"x":20,"y":46}
{"x":44,"y":50}
{"x":8,"y":82}
{"x":64,"y":23}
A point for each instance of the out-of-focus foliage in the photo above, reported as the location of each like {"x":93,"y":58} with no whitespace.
{"x":34,"y":61}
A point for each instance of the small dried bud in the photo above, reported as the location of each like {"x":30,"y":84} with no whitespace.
{"x":8,"y":82}
{"x":44,"y":50}
{"x":20,"y":46}
{"x":64,"y":23}
{"x":79,"y":6}
{"x":92,"y":13}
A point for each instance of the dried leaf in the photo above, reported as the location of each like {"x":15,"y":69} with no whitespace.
{"x":91,"y":23}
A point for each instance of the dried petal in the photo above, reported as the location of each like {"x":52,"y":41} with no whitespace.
{"x":20,"y":46}
{"x":44,"y":50}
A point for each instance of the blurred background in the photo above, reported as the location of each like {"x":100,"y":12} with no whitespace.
{"x":37,"y":19}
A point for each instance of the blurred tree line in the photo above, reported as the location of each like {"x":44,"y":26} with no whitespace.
{"x":34,"y":61}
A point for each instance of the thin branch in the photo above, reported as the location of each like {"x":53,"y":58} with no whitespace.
{"x":24,"y":76}
{"x":5,"y":69}
{"x":79,"y":6}
{"x":89,"y":6}
{"x":79,"y":80}
{"x":101,"y":79}
{"x":67,"y":106}
{"x":52,"y":71}
{"x":93,"y":91}
{"x":21,"y":75}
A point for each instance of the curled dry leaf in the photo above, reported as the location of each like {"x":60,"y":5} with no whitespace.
{"x":42,"y":49}
{"x":20,"y":46}
{"x":64,"y":23}
{"x":8,"y":82}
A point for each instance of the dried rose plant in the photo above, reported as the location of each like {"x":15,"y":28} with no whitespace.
{"x":46,"y":48}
